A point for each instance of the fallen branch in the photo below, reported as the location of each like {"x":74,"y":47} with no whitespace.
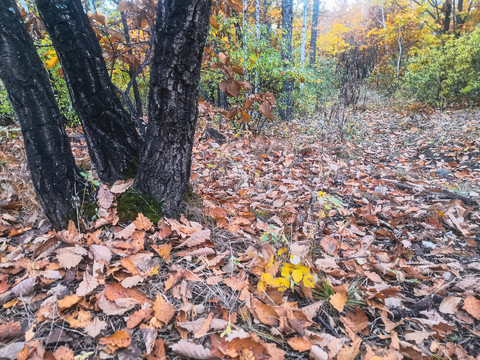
{"x":442,"y":193}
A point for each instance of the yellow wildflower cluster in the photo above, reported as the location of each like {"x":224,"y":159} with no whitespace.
{"x":292,"y":273}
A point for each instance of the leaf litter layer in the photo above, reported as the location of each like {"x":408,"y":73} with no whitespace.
{"x":294,"y":246}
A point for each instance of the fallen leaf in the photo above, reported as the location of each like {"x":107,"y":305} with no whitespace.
{"x":79,"y":319}
{"x":300,"y":344}
{"x":190,"y":350}
{"x":104,"y":197}
{"x":120,"y":186}
{"x":449,"y":304}
{"x":163,"y":251}
{"x":350,"y":352}
{"x":101,"y":252}
{"x":116,"y":291}
{"x":472,"y":306}
{"x":10,"y":330}
{"x":25,"y":287}
{"x":139,"y":317}
{"x":120,"y":339}
{"x":205,"y":327}
{"x":88,"y":284}
{"x":339,"y":300}
{"x":143,"y":223}
{"x":164,"y":311}
{"x":95,"y":327}
{"x":265,"y":313}
{"x":70,"y":257}
{"x":68,"y":301}
{"x":64,"y":353}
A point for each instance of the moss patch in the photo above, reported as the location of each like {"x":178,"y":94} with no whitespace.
{"x":131,"y":203}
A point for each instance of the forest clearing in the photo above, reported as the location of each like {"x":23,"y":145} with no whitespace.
{"x":304,"y":186}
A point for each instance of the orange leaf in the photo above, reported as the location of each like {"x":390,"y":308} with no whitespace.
{"x":138,"y":317}
{"x":205,"y":327}
{"x":472,"y":306}
{"x":338,"y":301}
{"x":120,"y":339}
{"x":300,"y":344}
{"x":63,"y":353}
{"x":163,"y":251}
{"x":143,"y":223}
{"x":164,"y":311}
{"x":265,"y":313}
{"x":79,"y":319}
{"x":68,"y":301}
{"x":117,"y":291}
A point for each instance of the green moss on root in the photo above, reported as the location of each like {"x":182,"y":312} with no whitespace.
{"x":131,"y":203}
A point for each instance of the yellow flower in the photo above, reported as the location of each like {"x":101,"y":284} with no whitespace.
{"x":297,"y":275}
{"x":282,"y":251}
{"x":309,"y":281}
{"x":303,"y":269}
{"x":267,"y":278}
{"x":261,"y":286}
{"x":281,"y":283}
{"x":286,"y":270}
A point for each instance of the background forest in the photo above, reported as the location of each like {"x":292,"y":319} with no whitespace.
{"x":342,"y":53}
{"x":324,"y":203}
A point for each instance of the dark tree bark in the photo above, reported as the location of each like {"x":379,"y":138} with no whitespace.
{"x":113,"y":141}
{"x":286,"y":103}
{"x":447,"y":8}
{"x":54,"y":174}
{"x":313,"y":38}
{"x":179,"y":39}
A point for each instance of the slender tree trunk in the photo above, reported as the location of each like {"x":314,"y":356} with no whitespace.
{"x":131,"y":69}
{"x":257,"y":32}
{"x":54,"y":174}
{"x":286,"y":105}
{"x":112,"y":139}
{"x":313,"y":38}
{"x":304,"y":32}
{"x":268,"y":26}
{"x":447,"y":7}
{"x":179,"y":38}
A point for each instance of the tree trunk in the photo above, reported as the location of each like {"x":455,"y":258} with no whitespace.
{"x":179,"y":38}
{"x":447,"y":7}
{"x":55,"y":176}
{"x":286,"y":103}
{"x":313,"y":38}
{"x":112,"y":139}
{"x":304,"y":31}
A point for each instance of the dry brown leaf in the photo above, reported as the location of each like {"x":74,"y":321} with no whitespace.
{"x":95,"y":327}
{"x":10,"y":330}
{"x":143,"y":223}
{"x":163,"y":251}
{"x":472,"y":306}
{"x":70,"y":257}
{"x":312,"y":310}
{"x":112,"y":308}
{"x":449,"y":304}
{"x":139,"y":317}
{"x":196,"y":239}
{"x":120,"y":186}
{"x":205,"y":327}
{"x":104,"y":197}
{"x":338,"y":301}
{"x":79,"y":319}
{"x":265,"y":313}
{"x":68,"y":301}
{"x":159,"y":349}
{"x":357,"y":321}
{"x":120,"y":339}
{"x":71,"y":235}
{"x":116,"y":291}
{"x":316,"y":353}
{"x":300,"y":344}
{"x":126,"y":232}
{"x":101,"y":252}
{"x":132,"y":281}
{"x":350,"y":352}
{"x":190,"y":350}
{"x":25,"y":287}
{"x":164,"y":311}
{"x":64,"y":353}
{"x":88,"y":284}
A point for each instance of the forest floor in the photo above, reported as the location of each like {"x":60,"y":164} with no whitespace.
{"x":294,"y":245}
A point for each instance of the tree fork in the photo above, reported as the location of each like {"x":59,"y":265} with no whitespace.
{"x":112,"y":138}
{"x":55,"y":176}
{"x":179,"y":38}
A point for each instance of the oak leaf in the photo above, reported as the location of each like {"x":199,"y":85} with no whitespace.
{"x":164,"y":311}
{"x":79,"y":319}
{"x":190,"y":350}
{"x":143,"y":223}
{"x":300,"y":344}
{"x":70,"y":257}
{"x":338,"y":301}
{"x":88,"y":284}
{"x":95,"y":327}
{"x":163,"y":251}
{"x":472,"y":306}
{"x":120,"y":339}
